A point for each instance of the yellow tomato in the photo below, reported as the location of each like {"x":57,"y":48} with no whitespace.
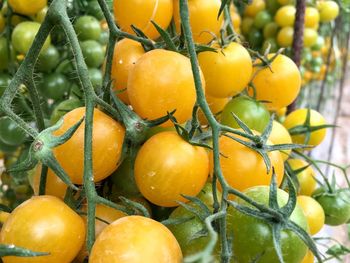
{"x":27,"y":7}
{"x":306,"y":178}
{"x":135,"y":239}
{"x":221,"y":69}
{"x":255,"y":7}
{"x":280,"y":135}
{"x":329,"y":10}
{"x":203,"y":19}
{"x":312,"y":17}
{"x":298,"y":117}
{"x":280,"y":85}
{"x":285,"y":36}
{"x":126,"y":53}
{"x":216,"y":105}
{"x":126,"y":15}
{"x":309,"y":258}
{"x":310,"y":37}
{"x":314,"y":213}
{"x":107,"y":142}
{"x":281,"y":112}
{"x":285,"y":16}
{"x":236,"y":20}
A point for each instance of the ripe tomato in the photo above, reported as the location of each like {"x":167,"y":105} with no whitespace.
{"x":279,"y":86}
{"x":151,"y":242}
{"x":161,"y":81}
{"x":329,"y":10}
{"x":204,"y":30}
{"x":48,"y":59}
{"x":336,"y":206}
{"x":10,"y":132}
{"x":23,"y":36}
{"x":27,"y":7}
{"x":298,"y":117}
{"x":252,"y":172}
{"x":285,"y":16}
{"x":87,"y":28}
{"x":253,"y":237}
{"x":151,"y":10}
{"x":167,"y":166}
{"x":309,"y":258}
{"x":310,"y":37}
{"x":107,"y":141}
{"x":54,"y":185}
{"x":93,"y":52}
{"x":221,"y":69}
{"x":254,"y":7}
{"x":285,"y":36}
{"x":280,"y":135}
{"x":286,"y":2}
{"x":253,"y":113}
{"x":216,"y":105}
{"x":261,"y":19}
{"x":44,"y":224}
{"x":126,"y":53}
{"x":312,"y":17}
{"x":54,"y":86}
{"x":306,"y":178}
{"x":313,"y":212}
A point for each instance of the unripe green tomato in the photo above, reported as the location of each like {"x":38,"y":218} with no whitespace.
{"x":96,"y":78}
{"x":247,"y":24}
{"x":270,"y":42}
{"x":48,"y":59}
{"x":261,"y":19}
{"x":93,"y":53}
{"x":5,"y":59}
{"x":317,"y":62}
{"x":253,"y":113}
{"x":285,"y":37}
{"x":54,"y":86}
{"x":306,"y":55}
{"x":94,"y":9}
{"x":255,"y":37}
{"x":5,"y":81}
{"x":7,"y":148}
{"x":310,"y":37}
{"x":319,"y":43}
{"x":272,"y":6}
{"x":87,"y":28}
{"x":270,"y":30}
{"x":104,"y":38}
{"x":23,"y":36}
{"x":10,"y":133}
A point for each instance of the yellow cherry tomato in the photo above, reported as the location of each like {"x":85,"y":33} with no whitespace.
{"x":3,"y":217}
{"x":314,"y":213}
{"x":312,"y":17}
{"x":44,"y":224}
{"x":216,"y":105}
{"x":135,"y":239}
{"x":252,"y":171}
{"x":310,"y":37}
{"x":255,"y":7}
{"x":126,"y":15}
{"x":107,"y":142}
{"x":126,"y":53}
{"x":161,"y":81}
{"x":203,"y":19}
{"x":280,"y":85}
{"x":306,"y":178}
{"x":298,"y":117}
{"x":281,"y":112}
{"x":329,"y":10}
{"x":285,"y":16}
{"x":285,"y":36}
{"x":221,"y":69}
{"x":309,"y":258}
{"x":280,"y":135}
{"x":27,"y":7}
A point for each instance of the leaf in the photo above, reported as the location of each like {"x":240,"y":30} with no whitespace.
{"x":11,"y":250}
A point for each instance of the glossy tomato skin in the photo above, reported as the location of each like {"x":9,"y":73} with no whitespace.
{"x":54,"y":86}
{"x":221,"y":68}
{"x":27,"y":7}
{"x":5,"y":81}
{"x":309,"y":258}
{"x":310,"y":37}
{"x":329,"y":10}
{"x":285,"y":36}
{"x":87,"y":28}
{"x":10,"y":132}
{"x":280,"y":86}
{"x":150,"y":10}
{"x":253,"y":237}
{"x":285,"y":16}
{"x":44,"y":224}
{"x":252,"y":172}
{"x":23,"y":36}
{"x":48,"y":59}
{"x":161,"y":81}
{"x":126,"y":53}
{"x":254,"y":7}
{"x":314,"y":213}
{"x":107,"y":141}
{"x":298,"y":117}
{"x":306,"y":178}
{"x":280,"y":135}
{"x":336,"y":207}
{"x":203,"y":30}
{"x":93,"y":53}
{"x":152,"y":242}
{"x":253,"y":113}
{"x":166,"y":166}
{"x":312,"y":17}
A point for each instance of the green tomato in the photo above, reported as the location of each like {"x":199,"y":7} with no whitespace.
{"x":5,"y":57}
{"x":253,"y":113}
{"x":87,"y":28}
{"x":262,"y":18}
{"x":23,"y":36}
{"x":253,"y":237}
{"x":255,"y":37}
{"x":247,"y":24}
{"x":272,"y":6}
{"x":64,"y":107}
{"x":7,"y":148}
{"x":48,"y":59}
{"x":104,"y":38}
{"x":5,"y":81}
{"x":94,"y":9}
{"x":96,"y":78}
{"x":93,"y":53}
{"x":319,"y":43}
{"x":10,"y":133}
{"x":336,"y":206}
{"x":270,"y":42}
{"x":270,"y":30}
{"x":54,"y":86}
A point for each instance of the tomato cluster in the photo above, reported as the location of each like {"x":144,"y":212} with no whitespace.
{"x":154,"y":195}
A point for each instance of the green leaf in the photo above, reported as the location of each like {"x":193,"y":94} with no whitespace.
{"x":11,"y":250}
